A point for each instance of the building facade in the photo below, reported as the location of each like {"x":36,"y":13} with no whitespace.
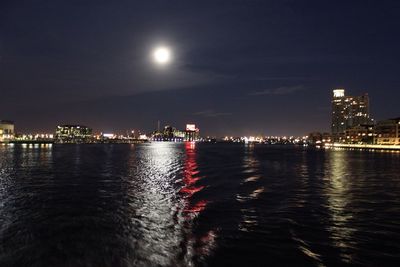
{"x":73,"y":134}
{"x":169,"y":133}
{"x":6,"y":130}
{"x":317,"y":138}
{"x":360,"y":134}
{"x":387,"y":132}
{"x":348,"y":112}
{"x":192,"y":133}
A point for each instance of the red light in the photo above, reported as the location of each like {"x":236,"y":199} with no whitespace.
{"x":198,"y":207}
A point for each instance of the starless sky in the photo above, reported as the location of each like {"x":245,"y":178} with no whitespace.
{"x":240,"y":67}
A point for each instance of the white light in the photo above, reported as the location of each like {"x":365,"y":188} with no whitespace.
{"x":143,"y":137}
{"x":162,"y":55}
{"x":108,"y":135}
{"x":338,"y":93}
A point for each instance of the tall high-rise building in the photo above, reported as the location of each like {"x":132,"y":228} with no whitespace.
{"x":348,"y":112}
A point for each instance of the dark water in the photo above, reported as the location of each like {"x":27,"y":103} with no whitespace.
{"x":166,"y":204}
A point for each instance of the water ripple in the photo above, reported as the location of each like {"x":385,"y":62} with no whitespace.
{"x":171,"y":204}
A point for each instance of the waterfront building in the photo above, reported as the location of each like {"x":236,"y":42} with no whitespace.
{"x":348,"y":112}
{"x":360,"y":134}
{"x":6,"y":130}
{"x":32,"y":138}
{"x":387,"y":132}
{"x":73,"y":134}
{"x":316,"y":138}
{"x":178,"y":134}
{"x":191,"y":133}
{"x":169,"y":133}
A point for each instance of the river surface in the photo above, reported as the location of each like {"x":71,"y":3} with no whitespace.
{"x":186,"y":204}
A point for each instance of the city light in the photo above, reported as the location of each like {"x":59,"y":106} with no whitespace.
{"x":338,"y":93}
{"x":108,"y":135}
{"x":351,"y":127}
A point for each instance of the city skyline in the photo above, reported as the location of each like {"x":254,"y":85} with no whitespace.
{"x":231,"y":72}
{"x":199,"y":133}
{"x":347,"y":113}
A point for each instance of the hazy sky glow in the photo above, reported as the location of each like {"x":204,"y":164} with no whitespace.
{"x":238,"y":67}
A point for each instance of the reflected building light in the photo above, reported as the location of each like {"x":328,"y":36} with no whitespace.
{"x":338,"y":199}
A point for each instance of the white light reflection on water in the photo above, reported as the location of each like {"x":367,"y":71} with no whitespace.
{"x":6,"y":170}
{"x":251,"y":190}
{"x":338,"y":196}
{"x":169,"y":204}
{"x":156,"y":219}
{"x":15,"y":188}
{"x":163,"y":210}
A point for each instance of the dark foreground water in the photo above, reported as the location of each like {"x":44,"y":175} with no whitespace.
{"x":166,"y":204}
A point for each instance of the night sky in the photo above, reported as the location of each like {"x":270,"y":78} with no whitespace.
{"x":239,"y":67}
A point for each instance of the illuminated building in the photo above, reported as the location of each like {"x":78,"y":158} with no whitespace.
{"x":360,"y":134}
{"x":348,"y":112}
{"x":169,"y":133}
{"x":108,"y":136}
{"x":73,"y":134}
{"x":42,"y":137}
{"x":317,"y":138}
{"x":6,"y":130}
{"x":387,"y":132}
{"x":192,"y":133}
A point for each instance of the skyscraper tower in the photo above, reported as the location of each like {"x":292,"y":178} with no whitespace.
{"x":348,"y":112}
{"x":339,"y":111}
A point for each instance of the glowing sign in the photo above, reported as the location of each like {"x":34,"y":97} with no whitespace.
{"x":190,"y":127}
{"x":108,"y":135}
{"x":338,"y":93}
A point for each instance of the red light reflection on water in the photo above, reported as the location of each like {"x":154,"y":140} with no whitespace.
{"x":190,"y":180}
{"x":198,"y":207}
{"x":189,"y":191}
{"x":204,"y":244}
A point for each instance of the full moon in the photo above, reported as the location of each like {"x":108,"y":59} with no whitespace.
{"x":162,"y":55}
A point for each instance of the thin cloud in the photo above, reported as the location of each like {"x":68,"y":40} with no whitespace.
{"x":284,"y":90}
{"x":211,"y":113}
{"x":284,"y":78}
